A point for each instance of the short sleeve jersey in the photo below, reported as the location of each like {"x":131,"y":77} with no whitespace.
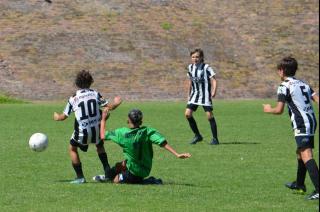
{"x":137,"y":147}
{"x":86,"y":106}
{"x":200,"y":76}
{"x":298,"y":96}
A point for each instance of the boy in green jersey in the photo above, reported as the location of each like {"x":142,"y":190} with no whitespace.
{"x":136,"y":142}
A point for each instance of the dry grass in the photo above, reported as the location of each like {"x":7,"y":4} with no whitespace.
{"x":141,"y":48}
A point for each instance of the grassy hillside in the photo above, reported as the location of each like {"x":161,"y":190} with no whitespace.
{"x":139,"y":49}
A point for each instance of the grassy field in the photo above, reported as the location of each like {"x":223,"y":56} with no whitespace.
{"x":246,"y":172}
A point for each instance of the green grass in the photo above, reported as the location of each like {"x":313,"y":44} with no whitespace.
{"x":166,"y":26}
{"x":9,"y":100}
{"x":245,"y":173}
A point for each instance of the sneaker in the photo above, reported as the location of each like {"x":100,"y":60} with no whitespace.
{"x":196,"y":139}
{"x":313,"y":196}
{"x":100,"y":178}
{"x":214,"y":141}
{"x":78,"y":181}
{"x":300,"y":189}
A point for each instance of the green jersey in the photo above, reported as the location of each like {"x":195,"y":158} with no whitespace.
{"x":137,"y":147}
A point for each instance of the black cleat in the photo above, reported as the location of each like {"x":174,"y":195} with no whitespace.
{"x":313,"y":196}
{"x":300,"y":189}
{"x":214,"y":141}
{"x":152,"y":180}
{"x":196,"y":139}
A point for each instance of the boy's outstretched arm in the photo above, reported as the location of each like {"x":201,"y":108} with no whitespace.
{"x":104,"y":116}
{"x":59,"y":116}
{"x":277,"y":110}
{"x":170,"y":149}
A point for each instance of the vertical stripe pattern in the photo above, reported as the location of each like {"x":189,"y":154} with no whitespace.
{"x":86,"y":105}
{"x":297,"y":94}
{"x":200,"y":76}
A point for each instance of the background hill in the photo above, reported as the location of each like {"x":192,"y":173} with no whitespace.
{"x":140,"y":49}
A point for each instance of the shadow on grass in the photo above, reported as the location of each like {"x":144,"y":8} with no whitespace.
{"x":164,"y":183}
{"x":183,"y":184}
{"x":87,"y":182}
{"x":238,"y":142}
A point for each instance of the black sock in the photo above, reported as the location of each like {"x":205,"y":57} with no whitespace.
{"x":78,"y":169}
{"x":213,"y":128}
{"x":112,"y":173}
{"x":104,"y":160}
{"x":301,"y":172}
{"x":193,"y":126}
{"x":313,"y":173}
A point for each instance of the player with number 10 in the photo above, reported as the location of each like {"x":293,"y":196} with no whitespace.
{"x":86,"y":103}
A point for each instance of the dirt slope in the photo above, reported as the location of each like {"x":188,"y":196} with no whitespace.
{"x":140,"y":49}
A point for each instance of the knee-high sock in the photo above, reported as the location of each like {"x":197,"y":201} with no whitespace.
{"x":301,"y":172}
{"x":214,"y":130}
{"x":78,"y":169}
{"x":313,"y":172}
{"x":104,"y":160}
{"x":193,"y":125}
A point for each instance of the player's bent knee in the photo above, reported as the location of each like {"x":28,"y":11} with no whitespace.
{"x":188,"y":115}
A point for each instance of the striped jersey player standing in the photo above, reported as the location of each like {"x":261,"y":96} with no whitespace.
{"x":86,"y":105}
{"x":298,"y":96}
{"x":201,"y":89}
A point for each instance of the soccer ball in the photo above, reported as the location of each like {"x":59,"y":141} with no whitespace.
{"x":38,"y":142}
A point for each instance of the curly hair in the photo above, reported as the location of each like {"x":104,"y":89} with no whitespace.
{"x":83,"y":79}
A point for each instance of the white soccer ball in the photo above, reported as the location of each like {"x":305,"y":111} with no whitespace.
{"x":38,"y":142}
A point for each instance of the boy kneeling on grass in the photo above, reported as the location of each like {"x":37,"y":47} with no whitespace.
{"x":136,"y":142}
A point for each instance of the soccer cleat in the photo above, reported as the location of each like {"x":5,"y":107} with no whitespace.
{"x":152,"y":180}
{"x":78,"y":181}
{"x":196,"y":139}
{"x":100,"y":178}
{"x":300,"y":189}
{"x":214,"y":141}
{"x":160,"y":182}
{"x":313,"y":196}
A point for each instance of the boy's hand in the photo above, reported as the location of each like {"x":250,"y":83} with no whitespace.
{"x":55,"y":116}
{"x":117,"y":100}
{"x":266,"y":108}
{"x":59,"y":117}
{"x":184,"y":155}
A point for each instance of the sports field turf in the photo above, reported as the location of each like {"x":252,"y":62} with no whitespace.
{"x":246,"y":172}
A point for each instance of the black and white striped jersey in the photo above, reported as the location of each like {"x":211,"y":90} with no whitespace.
{"x":86,"y":106}
{"x":297,"y":94}
{"x":200,"y":77}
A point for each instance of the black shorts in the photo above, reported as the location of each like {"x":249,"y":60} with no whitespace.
{"x":127,"y":177}
{"x":84,"y":148}
{"x":304,"y":142}
{"x":194,"y":107}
